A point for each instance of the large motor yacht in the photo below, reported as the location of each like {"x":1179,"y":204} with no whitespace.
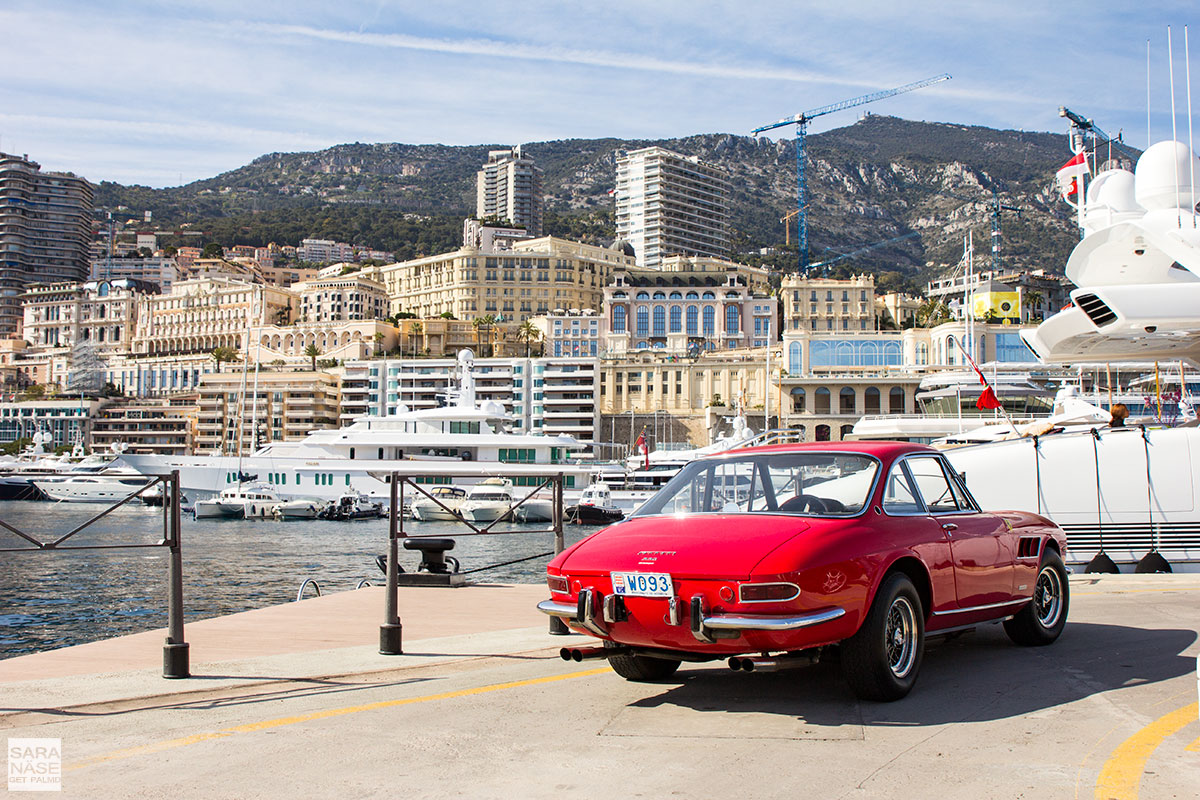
{"x":358,"y":458}
{"x":1124,"y":494}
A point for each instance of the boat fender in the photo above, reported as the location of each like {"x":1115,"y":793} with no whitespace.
{"x":465,"y":456}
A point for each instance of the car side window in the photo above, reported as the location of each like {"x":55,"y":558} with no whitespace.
{"x":898,"y":494}
{"x":965,"y":503}
{"x":933,"y":485}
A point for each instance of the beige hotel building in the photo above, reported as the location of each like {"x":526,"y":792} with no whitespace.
{"x":535,"y":277}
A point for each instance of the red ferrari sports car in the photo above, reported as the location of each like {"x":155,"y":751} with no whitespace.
{"x":767,"y":555}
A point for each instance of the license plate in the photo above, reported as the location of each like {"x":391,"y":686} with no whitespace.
{"x":642,"y":584}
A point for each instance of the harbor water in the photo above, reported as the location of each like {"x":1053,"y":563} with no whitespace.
{"x":57,"y":599}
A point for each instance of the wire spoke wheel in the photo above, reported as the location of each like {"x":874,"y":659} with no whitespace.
{"x":1048,"y":597}
{"x":900,"y":637}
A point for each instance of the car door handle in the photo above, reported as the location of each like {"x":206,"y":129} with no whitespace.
{"x":949,"y":527}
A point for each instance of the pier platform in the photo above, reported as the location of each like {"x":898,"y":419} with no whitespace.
{"x":295,"y":700}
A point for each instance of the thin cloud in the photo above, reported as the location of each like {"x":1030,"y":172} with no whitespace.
{"x":561,"y":55}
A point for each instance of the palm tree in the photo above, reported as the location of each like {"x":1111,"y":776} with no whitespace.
{"x":378,"y":342}
{"x":1033,"y":301}
{"x":932,"y":313}
{"x":528,"y":333}
{"x":312,"y":351}
{"x":483,"y":333}
{"x":414,"y":332}
{"x":220,"y":354}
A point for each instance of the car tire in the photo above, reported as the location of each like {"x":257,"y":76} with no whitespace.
{"x":1043,"y":618}
{"x":641,"y":668}
{"x":881,"y":660}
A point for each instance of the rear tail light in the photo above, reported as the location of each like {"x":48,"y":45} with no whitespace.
{"x":558,"y":584}
{"x":768,"y":592}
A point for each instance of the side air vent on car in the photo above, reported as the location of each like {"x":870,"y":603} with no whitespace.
{"x":1096,"y":309}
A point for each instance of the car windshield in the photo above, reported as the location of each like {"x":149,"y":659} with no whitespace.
{"x":810,"y":483}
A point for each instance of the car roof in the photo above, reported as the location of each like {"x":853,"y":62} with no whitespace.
{"x":881,"y":450}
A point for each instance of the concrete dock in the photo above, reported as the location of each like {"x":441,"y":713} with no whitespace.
{"x":295,"y":701}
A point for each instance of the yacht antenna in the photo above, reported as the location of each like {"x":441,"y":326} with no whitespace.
{"x":1187,"y":63}
{"x":1147,"y":93}
{"x":1174,"y":136}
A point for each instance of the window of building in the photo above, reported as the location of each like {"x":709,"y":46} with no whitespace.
{"x":822,"y":402}
{"x":798,"y":400}
{"x":618,"y":319}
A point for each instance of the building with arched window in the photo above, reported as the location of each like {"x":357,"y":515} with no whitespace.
{"x":689,"y":304}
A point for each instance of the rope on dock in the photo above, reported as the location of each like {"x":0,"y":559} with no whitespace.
{"x":506,"y":563}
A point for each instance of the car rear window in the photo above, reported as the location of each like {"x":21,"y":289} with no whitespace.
{"x":811,"y":484}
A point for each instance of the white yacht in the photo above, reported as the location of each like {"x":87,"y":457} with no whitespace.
{"x":300,"y":508}
{"x":1125,"y":493}
{"x":248,"y":501}
{"x":19,"y":473}
{"x":448,"y":501}
{"x":464,"y":436}
{"x":105,"y":486}
{"x":488,"y":500}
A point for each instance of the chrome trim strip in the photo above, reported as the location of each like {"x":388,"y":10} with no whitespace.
{"x":1020,"y":600}
{"x":752,"y":622}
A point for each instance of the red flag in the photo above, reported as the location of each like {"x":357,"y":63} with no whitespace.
{"x":1069,"y":173}
{"x":641,"y":447}
{"x":987,"y":399}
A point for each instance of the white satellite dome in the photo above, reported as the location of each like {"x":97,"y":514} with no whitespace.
{"x":494,"y":409}
{"x":1111,"y":198}
{"x":466,"y":356}
{"x":1164,"y":177}
{"x":1114,"y":189}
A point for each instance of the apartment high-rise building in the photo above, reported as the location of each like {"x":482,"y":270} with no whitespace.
{"x":45,"y":231}
{"x":510,"y":187}
{"x":669,"y":204}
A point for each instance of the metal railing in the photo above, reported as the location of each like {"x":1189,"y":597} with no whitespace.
{"x":391,"y":631}
{"x":175,"y":649}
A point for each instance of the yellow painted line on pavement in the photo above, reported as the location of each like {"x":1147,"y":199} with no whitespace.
{"x":1121,"y":776}
{"x":1194,"y":746}
{"x":251,"y":727}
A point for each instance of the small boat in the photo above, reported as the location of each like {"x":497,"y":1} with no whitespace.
{"x":450,"y":498}
{"x":595,"y":506}
{"x":154,"y":496}
{"x":489,"y":500}
{"x":352,"y":506}
{"x":535,"y":509}
{"x":301,"y":508}
{"x":253,"y":501}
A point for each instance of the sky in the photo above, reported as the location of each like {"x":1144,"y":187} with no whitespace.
{"x":164,"y":93}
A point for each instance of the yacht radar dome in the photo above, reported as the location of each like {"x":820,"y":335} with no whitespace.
{"x":1164,"y":177}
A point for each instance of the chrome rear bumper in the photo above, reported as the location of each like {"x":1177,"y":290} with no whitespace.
{"x":585,"y":614}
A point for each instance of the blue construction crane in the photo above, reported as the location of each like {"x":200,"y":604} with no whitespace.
{"x":801,"y":121}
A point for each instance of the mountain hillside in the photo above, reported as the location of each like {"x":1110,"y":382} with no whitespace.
{"x":879,"y":179}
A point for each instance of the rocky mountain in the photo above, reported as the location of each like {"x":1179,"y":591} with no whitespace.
{"x":879,"y":179}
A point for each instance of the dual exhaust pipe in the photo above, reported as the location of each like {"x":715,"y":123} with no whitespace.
{"x":756,"y":664}
{"x":590,"y":653}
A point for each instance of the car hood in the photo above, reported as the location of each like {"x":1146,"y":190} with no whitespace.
{"x":704,"y":545}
